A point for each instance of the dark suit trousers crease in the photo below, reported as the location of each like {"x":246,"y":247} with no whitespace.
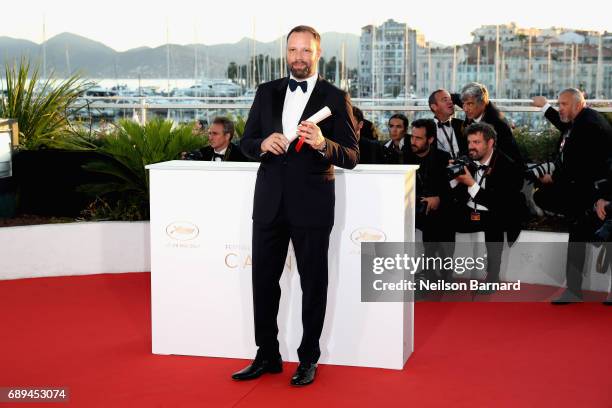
{"x":582,"y":226}
{"x":494,"y":238}
{"x":270,"y":246}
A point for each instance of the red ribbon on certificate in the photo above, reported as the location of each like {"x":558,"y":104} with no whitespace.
{"x":299,"y":144}
{"x":316,"y":118}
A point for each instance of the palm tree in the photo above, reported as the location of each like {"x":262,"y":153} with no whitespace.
{"x":41,"y":106}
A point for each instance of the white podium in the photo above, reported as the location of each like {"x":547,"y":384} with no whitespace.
{"x":201,"y":265}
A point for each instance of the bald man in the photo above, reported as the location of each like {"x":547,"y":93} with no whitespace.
{"x":584,"y":149}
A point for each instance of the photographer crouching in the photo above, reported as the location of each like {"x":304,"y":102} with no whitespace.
{"x":486,"y":188}
{"x":583,"y":151}
{"x":433,"y":194}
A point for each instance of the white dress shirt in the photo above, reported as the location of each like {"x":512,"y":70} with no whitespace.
{"x":295,"y":102}
{"x":473,"y":190}
{"x":443,"y":140}
{"x":401,"y":143}
{"x":222,"y":152}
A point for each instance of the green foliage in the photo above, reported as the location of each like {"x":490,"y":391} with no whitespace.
{"x":78,"y":137}
{"x":536,"y":147}
{"x":40,"y":106}
{"x":239,"y":124}
{"x":130,"y":148}
{"x":124,"y":208}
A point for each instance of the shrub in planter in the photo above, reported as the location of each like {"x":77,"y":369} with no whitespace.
{"x":537,"y":147}
{"x":131,"y":147}
{"x":41,"y":106}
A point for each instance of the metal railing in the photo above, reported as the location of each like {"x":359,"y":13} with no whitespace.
{"x":185,"y":109}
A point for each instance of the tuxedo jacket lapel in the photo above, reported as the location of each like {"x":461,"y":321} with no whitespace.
{"x":315,"y":102}
{"x":278,"y":103}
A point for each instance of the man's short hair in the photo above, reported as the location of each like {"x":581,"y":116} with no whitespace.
{"x":476,"y":90}
{"x":357,"y":114}
{"x":432,"y":98}
{"x":488,"y":132}
{"x":228,"y":125}
{"x":402,"y":117}
{"x":428,"y":124}
{"x":305,"y":29}
{"x":575,"y":92}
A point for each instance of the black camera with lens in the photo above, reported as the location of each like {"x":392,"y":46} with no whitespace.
{"x":604,"y":233}
{"x":421,"y":207}
{"x":194,"y":155}
{"x":534,"y":172}
{"x":457,"y":168}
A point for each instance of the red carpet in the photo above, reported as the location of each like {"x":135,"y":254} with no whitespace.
{"x":92,"y":335}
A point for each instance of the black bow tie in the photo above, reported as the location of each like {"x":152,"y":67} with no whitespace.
{"x":483,"y":167}
{"x":293,"y":84}
{"x":442,"y":124}
{"x":215,"y":155}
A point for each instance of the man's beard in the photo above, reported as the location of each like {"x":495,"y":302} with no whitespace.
{"x":300,"y":73}
{"x":474,"y":155}
{"x":415,"y":149}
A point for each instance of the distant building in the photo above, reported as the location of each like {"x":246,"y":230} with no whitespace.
{"x":525,"y":62}
{"x":388,"y":59}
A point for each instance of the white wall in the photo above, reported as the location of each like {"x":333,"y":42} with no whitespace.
{"x":528,"y":264}
{"x":80,"y":248}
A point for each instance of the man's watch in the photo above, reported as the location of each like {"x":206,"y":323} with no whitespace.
{"x":323,"y":147}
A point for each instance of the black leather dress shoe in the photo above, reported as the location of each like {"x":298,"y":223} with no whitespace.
{"x":259,"y":367}
{"x":304,"y":375}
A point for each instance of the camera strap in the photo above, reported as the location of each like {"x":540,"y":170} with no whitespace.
{"x":449,"y":139}
{"x":475,"y":215}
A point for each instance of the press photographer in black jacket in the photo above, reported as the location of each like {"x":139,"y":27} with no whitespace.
{"x":584,"y":148}
{"x":432,"y":190}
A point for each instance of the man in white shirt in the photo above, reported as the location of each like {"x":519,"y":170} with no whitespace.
{"x":487,"y":195}
{"x":294,"y":197}
{"x":450,"y":137}
{"x":394,"y":149}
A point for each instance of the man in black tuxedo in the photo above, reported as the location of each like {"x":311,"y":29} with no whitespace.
{"x":449,"y":135}
{"x":220,"y":147}
{"x":487,"y":196}
{"x":395,"y":149}
{"x":474,"y":100}
{"x":584,"y":149}
{"x":370,"y":151}
{"x":433,"y":192}
{"x":294,"y":197}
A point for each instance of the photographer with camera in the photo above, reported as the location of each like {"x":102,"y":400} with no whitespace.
{"x":486,"y":188}
{"x":433,"y":192}
{"x":584,"y":148}
{"x":220,"y":146}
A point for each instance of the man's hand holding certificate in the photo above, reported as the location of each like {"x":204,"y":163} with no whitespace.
{"x":309,"y":132}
